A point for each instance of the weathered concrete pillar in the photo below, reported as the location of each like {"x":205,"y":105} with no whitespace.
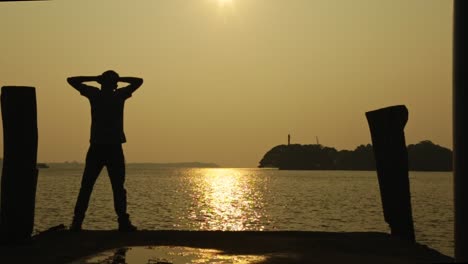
{"x":19,"y":175}
{"x":391,"y":157}
{"x":460,"y":132}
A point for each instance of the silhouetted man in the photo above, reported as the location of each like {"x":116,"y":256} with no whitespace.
{"x":107,"y":136}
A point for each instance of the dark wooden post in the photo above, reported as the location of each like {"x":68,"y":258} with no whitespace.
{"x":19,"y":175}
{"x":460,"y":133}
{"x":391,"y":157}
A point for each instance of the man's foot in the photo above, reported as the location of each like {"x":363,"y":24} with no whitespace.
{"x":75,"y":227}
{"x":127,"y":227}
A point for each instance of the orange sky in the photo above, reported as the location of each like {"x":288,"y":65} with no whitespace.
{"x":226,"y":82}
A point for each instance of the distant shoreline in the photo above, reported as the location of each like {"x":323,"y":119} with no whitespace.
{"x":155,"y":164}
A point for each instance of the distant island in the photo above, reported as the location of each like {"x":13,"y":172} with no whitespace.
{"x":423,"y":156}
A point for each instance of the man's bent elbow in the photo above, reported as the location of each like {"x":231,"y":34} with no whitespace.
{"x":72,"y":81}
{"x":138,"y":82}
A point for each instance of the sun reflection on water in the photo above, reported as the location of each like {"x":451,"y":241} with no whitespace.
{"x":226,"y":199}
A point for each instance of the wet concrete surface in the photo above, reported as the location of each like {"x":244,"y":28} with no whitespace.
{"x":62,"y":246}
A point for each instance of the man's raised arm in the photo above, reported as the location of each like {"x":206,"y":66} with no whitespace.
{"x":77,"y":82}
{"x":134,"y":82}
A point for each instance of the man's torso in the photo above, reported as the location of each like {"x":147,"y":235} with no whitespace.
{"x":107,"y":111}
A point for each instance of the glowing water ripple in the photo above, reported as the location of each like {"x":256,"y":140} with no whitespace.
{"x":225,"y":199}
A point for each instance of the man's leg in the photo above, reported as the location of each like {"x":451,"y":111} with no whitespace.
{"x":93,"y":167}
{"x":116,"y":170}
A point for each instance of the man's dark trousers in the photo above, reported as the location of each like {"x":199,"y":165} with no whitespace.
{"x":100,"y":155}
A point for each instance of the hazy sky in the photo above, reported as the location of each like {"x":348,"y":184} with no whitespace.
{"x":225,"y":81}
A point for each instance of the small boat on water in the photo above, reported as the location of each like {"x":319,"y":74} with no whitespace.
{"x":42,"y":166}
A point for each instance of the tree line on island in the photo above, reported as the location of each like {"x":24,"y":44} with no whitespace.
{"x":423,"y":156}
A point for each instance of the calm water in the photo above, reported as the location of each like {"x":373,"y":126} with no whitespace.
{"x":248,"y":199}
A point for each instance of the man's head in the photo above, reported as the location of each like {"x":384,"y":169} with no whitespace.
{"x":109,"y":80}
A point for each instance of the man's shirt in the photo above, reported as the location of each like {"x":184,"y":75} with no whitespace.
{"x":107,"y":111}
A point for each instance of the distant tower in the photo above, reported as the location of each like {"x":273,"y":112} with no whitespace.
{"x":316,"y":137}
{"x":289,"y":139}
